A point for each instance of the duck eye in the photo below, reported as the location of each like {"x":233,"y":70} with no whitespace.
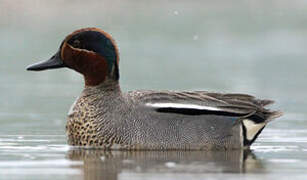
{"x":76,"y":43}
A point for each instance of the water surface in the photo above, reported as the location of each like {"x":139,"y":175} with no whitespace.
{"x":254,"y":47}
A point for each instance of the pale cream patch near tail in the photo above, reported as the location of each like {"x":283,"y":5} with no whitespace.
{"x":252,"y":128}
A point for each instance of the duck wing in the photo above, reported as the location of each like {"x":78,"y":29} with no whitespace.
{"x":203,"y":102}
{"x":245,"y":110}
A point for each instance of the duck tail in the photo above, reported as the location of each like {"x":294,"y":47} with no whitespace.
{"x":255,"y":123}
{"x":270,"y":115}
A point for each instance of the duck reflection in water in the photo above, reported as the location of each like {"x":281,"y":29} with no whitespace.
{"x":113,"y":165}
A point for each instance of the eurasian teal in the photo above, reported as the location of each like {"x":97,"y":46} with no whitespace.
{"x":105,"y":117}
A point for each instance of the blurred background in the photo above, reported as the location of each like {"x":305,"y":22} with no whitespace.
{"x":255,"y":47}
{"x":247,"y":46}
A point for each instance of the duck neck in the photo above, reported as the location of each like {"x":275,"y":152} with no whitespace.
{"x":109,"y":88}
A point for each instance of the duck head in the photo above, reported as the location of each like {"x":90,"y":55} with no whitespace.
{"x":89,"y":51}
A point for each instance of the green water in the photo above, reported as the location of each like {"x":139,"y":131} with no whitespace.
{"x":255,"y":47}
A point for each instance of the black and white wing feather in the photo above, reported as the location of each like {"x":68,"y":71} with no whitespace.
{"x":206,"y":102}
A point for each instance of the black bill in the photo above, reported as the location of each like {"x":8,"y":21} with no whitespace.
{"x":52,"y":63}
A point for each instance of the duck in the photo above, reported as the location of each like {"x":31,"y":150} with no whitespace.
{"x":105,"y":117}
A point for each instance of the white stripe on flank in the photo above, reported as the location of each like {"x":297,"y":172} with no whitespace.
{"x":241,"y":136}
{"x":187,"y":106}
{"x":71,"y":110}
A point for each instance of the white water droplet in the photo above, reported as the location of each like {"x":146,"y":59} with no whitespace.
{"x":102,"y":158}
{"x":138,"y":168}
{"x":195,"y":37}
{"x":170,"y":164}
{"x":128,"y":161}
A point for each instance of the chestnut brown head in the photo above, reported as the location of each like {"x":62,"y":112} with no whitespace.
{"x":90,"y":51}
